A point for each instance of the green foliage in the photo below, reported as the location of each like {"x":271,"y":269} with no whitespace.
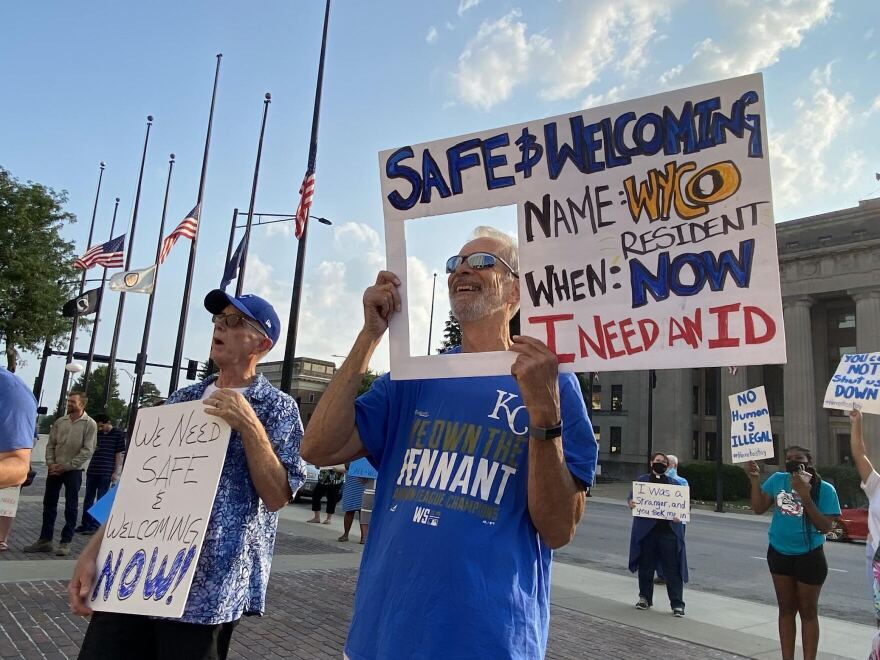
{"x":149,"y":394}
{"x":207,"y":368}
{"x":701,"y":478}
{"x":367,"y":380}
{"x":117,"y":409}
{"x":451,"y":334}
{"x":846,"y":482}
{"x":36,"y":266}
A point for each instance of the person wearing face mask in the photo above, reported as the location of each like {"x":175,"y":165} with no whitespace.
{"x":805,"y":509}
{"x":658,"y":542}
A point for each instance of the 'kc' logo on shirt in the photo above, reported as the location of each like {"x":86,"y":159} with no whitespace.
{"x":503,"y":402}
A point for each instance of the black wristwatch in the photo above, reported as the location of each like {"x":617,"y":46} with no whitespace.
{"x":549,"y":433}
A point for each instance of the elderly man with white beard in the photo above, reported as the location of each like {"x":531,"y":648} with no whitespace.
{"x":479,"y":478}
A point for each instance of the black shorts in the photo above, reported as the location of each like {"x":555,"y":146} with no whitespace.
{"x":809,"y":568}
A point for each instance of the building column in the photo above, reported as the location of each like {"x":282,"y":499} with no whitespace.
{"x":868,"y":341}
{"x":730,"y":385}
{"x":799,"y":389}
{"x":673,"y":414}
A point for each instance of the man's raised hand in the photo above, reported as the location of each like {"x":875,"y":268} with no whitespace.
{"x":381,"y":301}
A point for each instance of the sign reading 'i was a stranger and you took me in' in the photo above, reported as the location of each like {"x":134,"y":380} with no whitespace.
{"x":154,"y":535}
{"x":645,"y":230}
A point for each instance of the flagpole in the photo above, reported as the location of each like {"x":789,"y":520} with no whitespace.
{"x":184,"y":306}
{"x":111,"y":363}
{"x":141,"y":361}
{"x":94,"y":339}
{"x":239,"y":284}
{"x":296,"y":294}
{"x":82,"y":285}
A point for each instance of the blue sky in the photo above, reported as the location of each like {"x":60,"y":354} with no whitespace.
{"x":81,"y":78}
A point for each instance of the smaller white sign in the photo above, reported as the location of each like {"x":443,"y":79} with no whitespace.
{"x":661,"y":501}
{"x":154,"y":535}
{"x":9,"y":501}
{"x":751,"y":438}
{"x":855,"y":384}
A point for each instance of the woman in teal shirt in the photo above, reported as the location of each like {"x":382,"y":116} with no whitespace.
{"x":805,"y":509}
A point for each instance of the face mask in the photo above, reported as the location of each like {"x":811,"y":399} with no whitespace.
{"x":793,"y":466}
{"x":672,"y":472}
{"x":659,"y":468}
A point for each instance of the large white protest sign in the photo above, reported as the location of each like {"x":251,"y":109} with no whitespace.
{"x":9,"y":501}
{"x":855,"y":384}
{"x":154,"y":535}
{"x":645,"y":230}
{"x":751,"y":438}
{"x":661,"y":501}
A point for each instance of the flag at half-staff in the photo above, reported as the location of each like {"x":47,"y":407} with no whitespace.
{"x":109,"y":255}
{"x":306,"y":193}
{"x":187,"y":229}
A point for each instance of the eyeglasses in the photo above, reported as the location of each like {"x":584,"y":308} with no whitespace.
{"x":477,"y":261}
{"x":235,"y":320}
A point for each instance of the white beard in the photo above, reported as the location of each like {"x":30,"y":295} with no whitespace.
{"x":487,"y":303}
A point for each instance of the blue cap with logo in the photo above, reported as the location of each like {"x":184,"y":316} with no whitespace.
{"x":251,"y":306}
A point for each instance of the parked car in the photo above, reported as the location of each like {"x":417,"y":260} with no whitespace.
{"x":852,"y":526}
{"x":309,"y":484}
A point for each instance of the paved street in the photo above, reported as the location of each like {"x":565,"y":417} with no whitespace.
{"x":308,"y":606}
{"x":726,"y":556}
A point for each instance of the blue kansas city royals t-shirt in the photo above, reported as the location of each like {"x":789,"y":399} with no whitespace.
{"x":787,"y":530}
{"x":453,"y":567}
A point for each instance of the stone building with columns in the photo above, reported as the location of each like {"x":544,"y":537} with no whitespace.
{"x":830,"y":273}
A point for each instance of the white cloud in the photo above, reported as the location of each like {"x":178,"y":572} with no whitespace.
{"x":432,"y":35}
{"x":800,"y":155}
{"x":466,"y":5}
{"x":760,"y":31}
{"x":872,"y":55}
{"x":611,"y":96}
{"x":670,"y":74}
{"x":616,"y":35}
{"x":354,"y":235}
{"x":869,"y":34}
{"x":496,"y":60}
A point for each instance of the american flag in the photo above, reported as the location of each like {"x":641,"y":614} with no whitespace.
{"x":187,"y":228}
{"x":306,"y":191}
{"x":108,"y":255}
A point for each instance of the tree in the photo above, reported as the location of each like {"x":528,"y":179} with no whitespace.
{"x":367,"y":380}
{"x":117,"y":408}
{"x":209,"y":367}
{"x":451,"y":333}
{"x":149,"y":394}
{"x":36,"y":266}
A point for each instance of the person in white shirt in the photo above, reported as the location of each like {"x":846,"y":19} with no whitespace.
{"x":871,"y":485}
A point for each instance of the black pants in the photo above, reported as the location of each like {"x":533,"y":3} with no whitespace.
{"x":112,"y":636}
{"x":97,"y":486}
{"x":332,"y":494}
{"x":70,"y":481}
{"x":661,"y":544}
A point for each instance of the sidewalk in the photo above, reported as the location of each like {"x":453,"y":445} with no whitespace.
{"x":312,"y":587}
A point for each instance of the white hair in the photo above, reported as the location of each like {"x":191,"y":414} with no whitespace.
{"x":509,"y":251}
{"x":673,"y":460}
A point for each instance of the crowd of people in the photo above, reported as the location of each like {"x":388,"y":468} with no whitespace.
{"x":530,"y":432}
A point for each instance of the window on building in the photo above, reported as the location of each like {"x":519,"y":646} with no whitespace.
{"x":597,"y":396}
{"x":710,"y":445}
{"x":711,"y":390}
{"x":615,"y":439}
{"x":311,"y":398}
{"x":695,"y":446}
{"x":841,"y":337}
{"x":773,"y":388}
{"x":844,"y":455}
{"x":617,"y":397}
{"x":695,"y":400}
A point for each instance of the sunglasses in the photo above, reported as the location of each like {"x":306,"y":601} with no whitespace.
{"x":235,"y":320}
{"x":477,"y":261}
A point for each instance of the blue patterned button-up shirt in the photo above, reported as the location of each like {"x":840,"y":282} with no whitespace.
{"x":233,"y":570}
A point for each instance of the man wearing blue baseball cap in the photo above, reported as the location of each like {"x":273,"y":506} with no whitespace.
{"x":262,"y":472}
